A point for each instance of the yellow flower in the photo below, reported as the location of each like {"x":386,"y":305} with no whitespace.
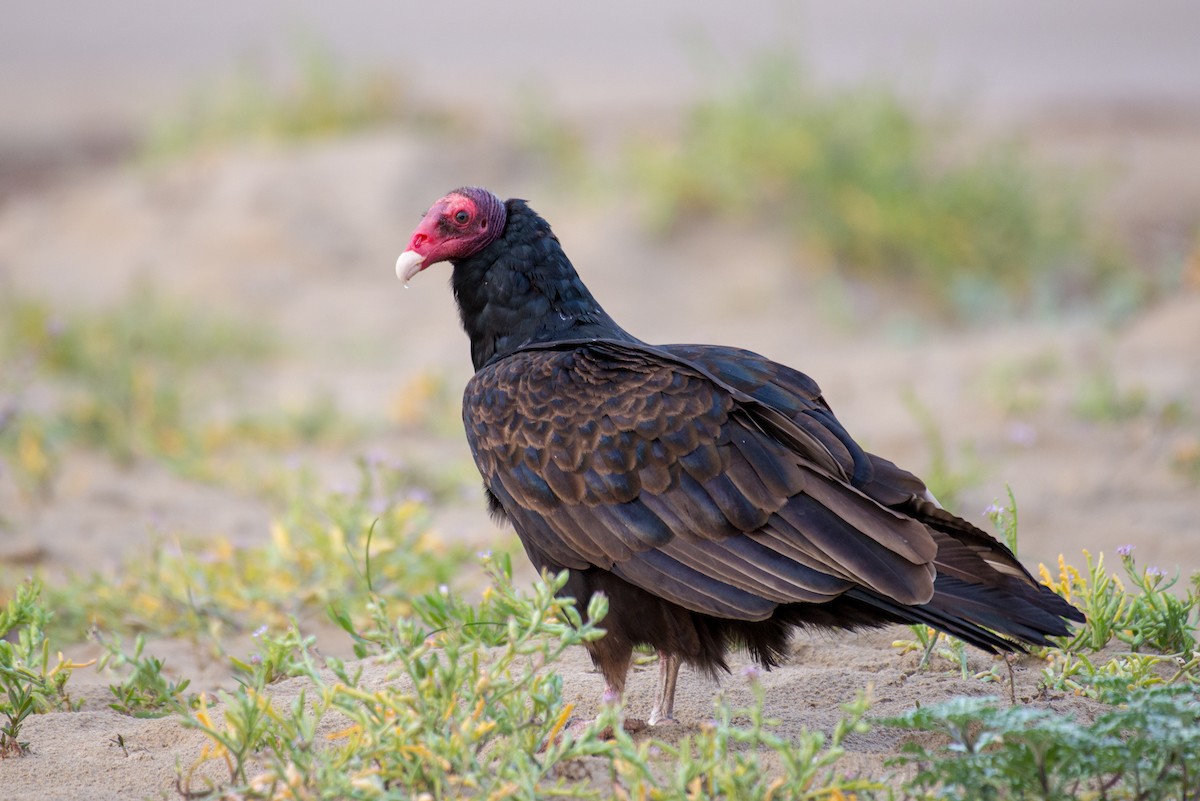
{"x":342,"y":733}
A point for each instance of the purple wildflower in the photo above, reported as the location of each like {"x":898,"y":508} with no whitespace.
{"x":419,"y":495}
{"x":1124,"y":550}
{"x":1021,"y":434}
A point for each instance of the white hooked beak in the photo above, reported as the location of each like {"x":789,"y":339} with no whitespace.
{"x":409,"y":264}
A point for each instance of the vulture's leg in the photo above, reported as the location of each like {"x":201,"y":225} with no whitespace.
{"x":613,"y":656}
{"x":668,"y":673}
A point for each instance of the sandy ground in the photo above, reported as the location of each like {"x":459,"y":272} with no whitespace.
{"x":303,"y":240}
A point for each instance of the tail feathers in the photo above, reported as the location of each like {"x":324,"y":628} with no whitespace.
{"x":995,"y":619}
{"x":1027,"y":612}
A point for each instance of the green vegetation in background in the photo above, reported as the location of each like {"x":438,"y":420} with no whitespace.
{"x":1099,"y":397}
{"x":1185,"y":458}
{"x":1018,"y":386}
{"x":139,"y":379}
{"x":857,"y":176}
{"x":320,"y":99}
{"x":123,"y":374}
{"x":209,"y":589}
{"x":854,"y":175}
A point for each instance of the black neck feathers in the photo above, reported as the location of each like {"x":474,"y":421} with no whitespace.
{"x":522,"y":290}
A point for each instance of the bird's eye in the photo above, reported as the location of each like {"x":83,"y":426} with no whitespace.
{"x":461,"y":216}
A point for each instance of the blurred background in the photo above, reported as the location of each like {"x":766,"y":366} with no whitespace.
{"x":845,"y":122}
{"x":976,"y":225}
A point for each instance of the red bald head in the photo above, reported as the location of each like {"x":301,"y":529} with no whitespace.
{"x":457,"y":226}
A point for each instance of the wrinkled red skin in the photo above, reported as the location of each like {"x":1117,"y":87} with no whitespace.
{"x":457,"y":226}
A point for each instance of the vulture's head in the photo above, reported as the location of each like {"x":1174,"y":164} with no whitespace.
{"x":459,"y":225}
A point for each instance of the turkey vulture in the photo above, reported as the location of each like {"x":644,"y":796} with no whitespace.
{"x":709,"y":492}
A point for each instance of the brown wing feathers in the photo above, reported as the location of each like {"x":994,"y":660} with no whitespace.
{"x":676,"y":489}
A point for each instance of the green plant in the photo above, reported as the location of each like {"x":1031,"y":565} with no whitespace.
{"x":463,"y":718}
{"x":1004,"y":519}
{"x":145,"y":692}
{"x":28,"y":682}
{"x":123,"y":375}
{"x":206,"y":588}
{"x":1145,"y":746}
{"x":1158,"y":618}
{"x":1100,"y":595}
{"x":1151,"y":619}
{"x":319,"y":99}
{"x":857,"y":176}
{"x":953,"y":650}
{"x":277,"y":657}
{"x":731,"y":759}
{"x":1077,"y":673}
{"x":244,"y":731}
{"x":316,"y":420}
{"x":1154,"y":618}
{"x":1100,"y":399}
{"x":474,"y":707}
{"x":20,"y":686}
{"x":27,"y":446}
{"x":1018,"y":386}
